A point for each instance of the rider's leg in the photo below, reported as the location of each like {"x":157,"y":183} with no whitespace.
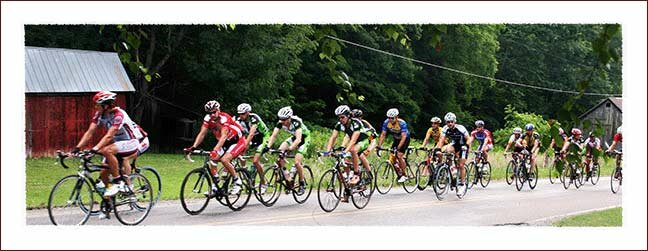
{"x":401,"y":163}
{"x":109,"y":152}
{"x":227,"y":163}
{"x":354,"y":157}
{"x":298,"y":163}
{"x":283,"y":147}
{"x":462,"y":162}
{"x":257,"y":164}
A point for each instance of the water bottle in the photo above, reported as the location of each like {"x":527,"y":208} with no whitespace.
{"x":101,"y":187}
{"x":252,"y":171}
{"x":293,"y":170}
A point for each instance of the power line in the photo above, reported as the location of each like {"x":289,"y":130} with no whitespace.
{"x":468,"y":73}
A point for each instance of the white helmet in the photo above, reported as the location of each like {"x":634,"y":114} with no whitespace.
{"x":212,"y":105}
{"x":285,"y":112}
{"x":243,"y":108}
{"x":619,"y":130}
{"x":435,"y":120}
{"x":392,"y":112}
{"x":450,"y":117}
{"x":479,"y":123}
{"x":517,"y":130}
{"x":343,"y":109}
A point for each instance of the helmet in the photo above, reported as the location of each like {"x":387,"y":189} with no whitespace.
{"x":450,"y":117}
{"x":243,"y":108}
{"x":619,"y":130}
{"x":212,"y":106}
{"x":285,"y":112}
{"x":575,"y":131}
{"x":479,"y":123}
{"x":517,"y":130}
{"x":591,"y":134}
{"x":103,"y":97}
{"x":561,"y":131}
{"x":356,"y":113}
{"x":343,"y":109}
{"x":392,"y":112}
{"x":435,"y":120}
{"x":529,"y":127}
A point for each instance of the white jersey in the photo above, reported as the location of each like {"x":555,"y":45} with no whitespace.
{"x":118,"y":118}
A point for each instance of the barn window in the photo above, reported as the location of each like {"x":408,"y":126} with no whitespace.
{"x":607,"y":104}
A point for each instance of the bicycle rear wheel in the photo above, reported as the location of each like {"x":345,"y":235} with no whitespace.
{"x":533,"y":178}
{"x":615,"y":180}
{"x":273,"y":191}
{"x":485,"y":174}
{"x":195,"y":191}
{"x":423,"y":180}
{"x":364,"y":190}
{"x":580,"y":173}
{"x":462,"y":190}
{"x":470,"y":169}
{"x":510,"y":172}
{"x":329,"y":190}
{"x":70,"y":201}
{"x":384,"y":177}
{"x":441,"y":183}
{"x":308,"y":186}
{"x":520,"y":177}
{"x":596,"y":174}
{"x":410,"y":185}
{"x":239,"y":200}
{"x":553,"y":178}
{"x":133,"y":206}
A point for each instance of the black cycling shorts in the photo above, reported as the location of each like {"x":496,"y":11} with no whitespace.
{"x":405,"y":145}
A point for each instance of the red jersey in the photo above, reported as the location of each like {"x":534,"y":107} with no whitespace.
{"x":224,"y":119}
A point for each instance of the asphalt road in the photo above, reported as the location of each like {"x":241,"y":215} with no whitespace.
{"x":498,"y":204}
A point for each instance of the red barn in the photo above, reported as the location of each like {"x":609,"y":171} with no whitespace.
{"x":59,"y":85}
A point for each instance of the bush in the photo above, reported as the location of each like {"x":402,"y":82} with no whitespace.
{"x":514,"y":119}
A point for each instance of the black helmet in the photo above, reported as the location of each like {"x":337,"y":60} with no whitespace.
{"x":356,"y":113}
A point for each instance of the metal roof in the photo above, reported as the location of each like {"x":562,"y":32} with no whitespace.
{"x":614,"y":100}
{"x":56,"y":70}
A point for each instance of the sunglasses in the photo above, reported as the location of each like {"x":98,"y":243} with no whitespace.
{"x":449,"y":122}
{"x":342,"y":117}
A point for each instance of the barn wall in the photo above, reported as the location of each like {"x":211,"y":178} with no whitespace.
{"x":58,"y":122}
{"x":609,"y":115}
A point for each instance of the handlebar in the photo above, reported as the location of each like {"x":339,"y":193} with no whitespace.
{"x":201,"y":152}
{"x":84,"y":156}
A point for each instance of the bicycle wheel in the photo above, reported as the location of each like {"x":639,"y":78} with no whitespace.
{"x":421,"y":179}
{"x":485,"y":174}
{"x":566,"y":176}
{"x":596,"y":174}
{"x":552,"y":172}
{"x":308,"y":186}
{"x":273,"y":191}
{"x":580,"y":173}
{"x":510,"y":172}
{"x":441,"y":183}
{"x":70,"y":201}
{"x":615,"y":180}
{"x":462,"y":190}
{"x":520,"y":177}
{"x":239,"y":200}
{"x":154,"y":178}
{"x":195,"y":191}
{"x":363,"y":191}
{"x":410,"y":185}
{"x":533,"y":178}
{"x":329,"y":190}
{"x":384,"y":177}
{"x":133,"y":206}
{"x":470,"y":168}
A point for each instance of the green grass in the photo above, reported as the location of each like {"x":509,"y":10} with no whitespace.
{"x":605,"y":218}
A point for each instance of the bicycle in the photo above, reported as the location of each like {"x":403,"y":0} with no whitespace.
{"x":429,"y":164}
{"x":385,"y":171}
{"x":480,"y":169}
{"x":554,"y":174}
{"x":524,"y":173}
{"x":276,"y":180}
{"x":131,"y":205}
{"x":447,"y":176}
{"x":573,"y":174}
{"x":196,"y":189}
{"x":511,"y":168}
{"x":594,"y":173}
{"x":333,"y":185}
{"x":616,"y":178}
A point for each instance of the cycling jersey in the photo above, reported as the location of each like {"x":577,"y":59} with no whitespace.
{"x":353,"y":125}
{"x":396,"y":128}
{"x":573,"y":142}
{"x":557,"y":147}
{"x":434,"y":134}
{"x":512,"y":139}
{"x":592,"y":143}
{"x":456,"y":135}
{"x":117,"y":118}
{"x":214,"y":124}
{"x":530,"y":140}
{"x":619,"y":139}
{"x":484,"y":137}
{"x":369,"y":129}
{"x":295,"y":123}
{"x":253,"y":119}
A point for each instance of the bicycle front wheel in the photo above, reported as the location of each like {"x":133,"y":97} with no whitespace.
{"x":615,"y":180}
{"x":156,"y":181}
{"x":441,"y":183}
{"x":237,"y":201}
{"x":423,"y":175}
{"x":70,"y":201}
{"x":533,"y":178}
{"x":471,"y":169}
{"x":133,"y":206}
{"x":566,"y":176}
{"x":520,"y":177}
{"x":553,"y":178}
{"x":273,"y":190}
{"x":195,"y":191}
{"x":364,"y":190}
{"x":596,"y":174}
{"x":410,"y":185}
{"x":308,"y":186}
{"x":384,"y":177}
{"x":580,"y":173}
{"x":329,"y":190}
{"x":485,"y":174}
{"x":510,"y":172}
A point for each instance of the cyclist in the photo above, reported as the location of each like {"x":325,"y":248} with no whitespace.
{"x":434,"y":133}
{"x":368,"y":128}
{"x":592,"y":143}
{"x":299,"y":141}
{"x":485,"y":138}
{"x":458,"y":137}
{"x":398,"y":129}
{"x":230,"y":141}
{"x":513,"y":141}
{"x":124,"y":138}
{"x":617,"y":141}
{"x":575,"y":140}
{"x":554,"y":145}
{"x":257,"y":135}
{"x":531,"y":142}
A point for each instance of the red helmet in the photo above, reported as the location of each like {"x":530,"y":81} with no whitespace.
{"x":104,"y":96}
{"x":576,"y":131}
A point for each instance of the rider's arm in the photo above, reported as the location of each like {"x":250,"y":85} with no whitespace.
{"x":250,"y":134}
{"x":553,"y":142}
{"x":441,"y":140}
{"x":427,"y":137}
{"x":352,"y":140}
{"x":382,"y":138}
{"x":200,"y":136}
{"x":402,"y":140}
{"x":106,"y":138}
{"x":273,"y":137}
{"x":87,"y":135}
{"x":469,"y":140}
{"x":221,"y":141}
{"x":298,"y":139}
{"x":611,"y":147}
{"x":565,"y":145}
{"x":536,"y":145}
{"x":345,"y":141}
{"x":331,"y":141}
